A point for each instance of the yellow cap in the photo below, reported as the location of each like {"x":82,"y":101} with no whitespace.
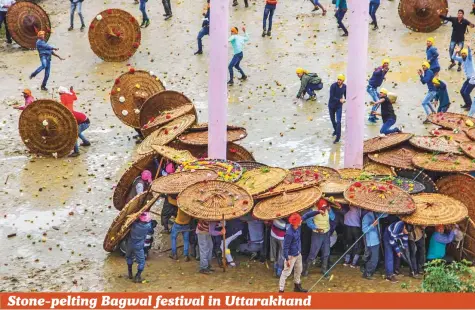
{"x":386,"y":61}
{"x":436,"y":81}
{"x":301,"y":71}
{"x":341,"y":77}
{"x":431,"y":40}
{"x":384,"y":91}
{"x":464,"y":51}
{"x":426,"y":64}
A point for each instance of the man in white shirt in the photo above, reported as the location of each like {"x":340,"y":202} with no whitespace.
{"x":4,"y":6}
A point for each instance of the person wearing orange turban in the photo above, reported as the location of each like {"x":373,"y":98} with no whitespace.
{"x":45,"y":51}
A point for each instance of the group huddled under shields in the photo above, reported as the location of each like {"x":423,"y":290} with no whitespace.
{"x":411,"y":203}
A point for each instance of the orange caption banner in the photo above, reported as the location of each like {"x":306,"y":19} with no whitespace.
{"x":235,"y":301}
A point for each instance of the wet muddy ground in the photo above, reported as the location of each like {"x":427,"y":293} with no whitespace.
{"x":60,"y":209}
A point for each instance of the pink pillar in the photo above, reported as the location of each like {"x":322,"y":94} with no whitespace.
{"x":356,"y":82}
{"x":218,"y":72}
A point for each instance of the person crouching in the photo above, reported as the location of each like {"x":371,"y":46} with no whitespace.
{"x":309,"y":83}
{"x":387,"y":114}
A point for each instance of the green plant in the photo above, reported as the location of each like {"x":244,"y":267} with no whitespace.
{"x":454,"y":277}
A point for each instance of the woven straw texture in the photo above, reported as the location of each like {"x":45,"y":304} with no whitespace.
{"x":407,"y":185}
{"x":166,"y":133}
{"x":351,"y":173}
{"x":301,"y":178}
{"x":204,"y":127}
{"x":379,"y":169}
{"x":334,"y":187}
{"x":460,"y":187}
{"x":471,"y":133}
{"x":444,"y":163}
{"x":115,"y":35}
{"x":166,"y":117}
{"x":468,"y":251}
{"x":164,"y":101}
{"x":436,"y":209}
{"x":337,"y":198}
{"x":174,"y":155}
{"x":125,"y":89}
{"x":468,"y":148}
{"x":227,"y":170}
{"x":176,"y":182}
{"x":419,"y":176}
{"x":422,"y":15}
{"x":381,"y":143}
{"x":48,"y":128}
{"x":399,"y":157}
{"x":257,"y":181}
{"x":249,"y":165}
{"x":235,"y":152}
{"x":435,"y":144}
{"x":450,"y":120}
{"x":25,"y":20}
{"x":211,"y":200}
{"x":380,"y":197}
{"x":126,"y":180}
{"x":201,"y":137}
{"x":458,"y":137}
{"x":285,"y":204}
{"x":120,"y":226}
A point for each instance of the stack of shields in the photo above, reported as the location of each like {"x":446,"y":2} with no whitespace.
{"x":422,"y":15}
{"x":201,"y":137}
{"x":227,"y":170}
{"x":378,"y":144}
{"x":25,"y":20}
{"x":444,"y":163}
{"x":353,"y":174}
{"x":436,"y":144}
{"x":48,"y":128}
{"x":175,"y":183}
{"x":114,"y":35}
{"x":396,"y":157}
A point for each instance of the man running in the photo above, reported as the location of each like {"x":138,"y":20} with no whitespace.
{"x":168,"y":9}
{"x":459,"y":28}
{"x":374,"y":82}
{"x":45,"y":51}
{"x":268,"y":13}
{"x":464,"y":56}
{"x":373,"y":7}
{"x":237,"y":43}
{"x":341,"y":8}
{"x":204,"y":29}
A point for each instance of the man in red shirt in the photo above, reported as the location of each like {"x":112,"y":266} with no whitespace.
{"x":67,"y":97}
{"x":83,"y":124}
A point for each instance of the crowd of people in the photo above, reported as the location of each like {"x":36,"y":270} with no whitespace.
{"x":328,"y":232}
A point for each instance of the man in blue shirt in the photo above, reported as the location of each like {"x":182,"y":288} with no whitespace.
{"x":464,"y":56}
{"x":432,"y":56}
{"x":45,"y":51}
{"x":427,"y":76}
{"x":442,"y":97}
{"x":335,"y":105}
{"x":237,"y":43}
{"x":370,"y":227}
{"x":395,"y":240}
{"x":373,"y":7}
{"x":292,"y":251}
{"x":374,"y":82}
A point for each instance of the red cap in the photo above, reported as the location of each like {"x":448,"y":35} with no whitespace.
{"x":295,"y":219}
{"x":321,"y":204}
